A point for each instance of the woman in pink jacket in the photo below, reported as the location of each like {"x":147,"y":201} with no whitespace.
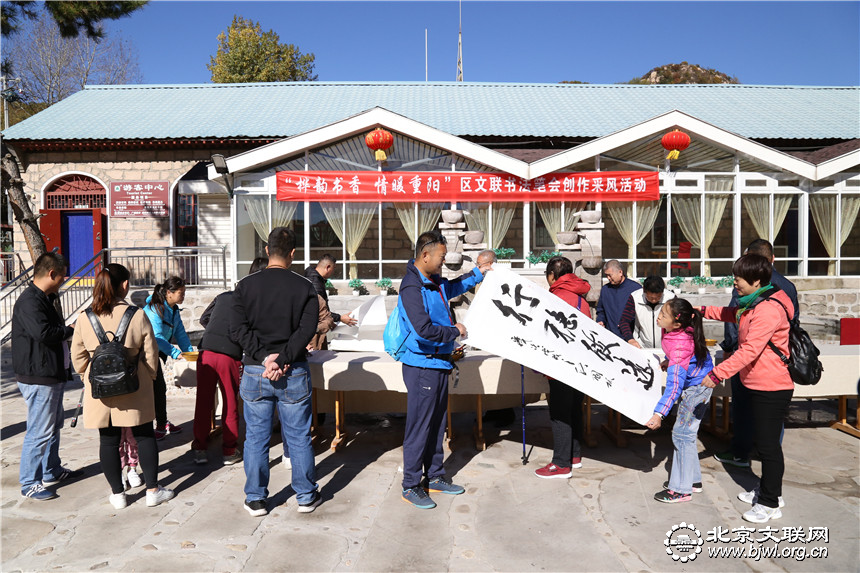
{"x":762,"y":316}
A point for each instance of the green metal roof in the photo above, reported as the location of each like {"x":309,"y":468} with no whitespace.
{"x":278,"y":110}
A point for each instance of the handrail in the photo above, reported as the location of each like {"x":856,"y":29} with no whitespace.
{"x":199,"y":266}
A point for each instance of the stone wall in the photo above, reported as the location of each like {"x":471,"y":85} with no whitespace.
{"x":107,"y":166}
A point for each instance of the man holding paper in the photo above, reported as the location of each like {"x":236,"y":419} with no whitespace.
{"x":427,"y":362}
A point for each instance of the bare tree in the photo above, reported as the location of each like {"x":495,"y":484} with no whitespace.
{"x":52,"y":67}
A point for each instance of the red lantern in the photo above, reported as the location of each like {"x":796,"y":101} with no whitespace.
{"x":675,"y":142}
{"x":379,"y":140}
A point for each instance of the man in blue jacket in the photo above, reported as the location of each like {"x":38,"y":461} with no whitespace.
{"x":427,"y":362}
{"x":742,"y":420}
{"x":613,"y":296}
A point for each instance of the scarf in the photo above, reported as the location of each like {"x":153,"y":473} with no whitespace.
{"x":745,"y":302}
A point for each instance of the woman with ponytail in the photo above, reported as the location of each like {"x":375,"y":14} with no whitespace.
{"x":687,"y":362}
{"x":162,"y":309}
{"x":135,"y":410}
{"x":762,"y":318}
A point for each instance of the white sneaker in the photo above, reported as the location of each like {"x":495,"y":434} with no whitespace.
{"x":118,"y":500}
{"x":751,"y":497}
{"x":287,"y":463}
{"x":134,"y":478}
{"x":158,"y":496}
{"x":762,"y":514}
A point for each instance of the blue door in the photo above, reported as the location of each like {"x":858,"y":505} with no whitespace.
{"x":77,"y":238}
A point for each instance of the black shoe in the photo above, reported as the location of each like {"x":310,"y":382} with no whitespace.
{"x":312,"y":504}
{"x":65,"y":474}
{"x":257,"y":508}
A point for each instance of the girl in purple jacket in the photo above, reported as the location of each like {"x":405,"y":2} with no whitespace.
{"x":687,"y":362}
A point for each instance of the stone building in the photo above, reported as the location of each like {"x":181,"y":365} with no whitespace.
{"x":128,"y":168}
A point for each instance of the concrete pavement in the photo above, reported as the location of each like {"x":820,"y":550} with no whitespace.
{"x":604,"y":519}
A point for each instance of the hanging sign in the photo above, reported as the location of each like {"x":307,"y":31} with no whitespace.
{"x":139,"y":198}
{"x":411,"y":186}
{"x":516,"y":319}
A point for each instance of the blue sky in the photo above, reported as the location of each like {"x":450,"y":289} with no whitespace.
{"x":774,"y":43}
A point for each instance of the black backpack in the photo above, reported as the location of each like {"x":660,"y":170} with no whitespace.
{"x":803,"y":364}
{"x":111,"y":371}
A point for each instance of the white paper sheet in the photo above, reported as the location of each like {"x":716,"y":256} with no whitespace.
{"x":366,"y":336}
{"x":516,"y":319}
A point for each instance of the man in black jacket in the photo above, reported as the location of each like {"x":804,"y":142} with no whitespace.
{"x":38,"y":336}
{"x":742,"y":420}
{"x":275,"y":315}
{"x":318,"y":275}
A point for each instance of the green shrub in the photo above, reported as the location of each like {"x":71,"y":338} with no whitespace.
{"x":384,"y":283}
{"x":504,"y":252}
{"x":676,"y":282}
{"x":356,"y":284}
{"x":543,"y":257}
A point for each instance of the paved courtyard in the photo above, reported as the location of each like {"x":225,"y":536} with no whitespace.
{"x":604,"y":519}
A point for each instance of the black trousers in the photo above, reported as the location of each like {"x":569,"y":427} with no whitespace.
{"x":565,"y":415}
{"x":159,"y":388}
{"x":769,"y":410}
{"x":426,"y":415}
{"x":109,"y":457}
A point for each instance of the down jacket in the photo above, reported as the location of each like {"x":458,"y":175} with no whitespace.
{"x":758,"y":365}
{"x":130,"y":409}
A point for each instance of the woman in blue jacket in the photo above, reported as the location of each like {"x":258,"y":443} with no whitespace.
{"x":162,"y":309}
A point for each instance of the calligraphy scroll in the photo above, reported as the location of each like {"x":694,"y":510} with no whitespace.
{"x":518,"y":320}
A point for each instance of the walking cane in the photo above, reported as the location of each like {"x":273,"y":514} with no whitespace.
{"x":74,"y":421}
{"x":523,"y":395}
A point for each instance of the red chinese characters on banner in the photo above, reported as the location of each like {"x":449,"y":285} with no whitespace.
{"x":139,"y":198}
{"x":408,"y":186}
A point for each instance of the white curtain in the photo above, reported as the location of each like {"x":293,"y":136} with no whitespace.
{"x":478,"y":219}
{"x":428,"y":217}
{"x":823,"y":209}
{"x":258,"y":211}
{"x":283,"y":212}
{"x":758,"y":208}
{"x":622,"y":215}
{"x":687,"y":209}
{"x":358,"y":218}
{"x":550,"y":212}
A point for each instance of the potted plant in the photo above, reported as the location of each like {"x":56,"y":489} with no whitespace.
{"x":329,"y":287}
{"x":543,"y":257}
{"x":503,"y":256}
{"x":701,"y":282}
{"x":357,"y":285}
{"x":726,"y":283}
{"x":675,"y":284}
{"x":384,"y":285}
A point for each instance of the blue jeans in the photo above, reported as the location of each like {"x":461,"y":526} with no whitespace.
{"x":686,"y":469}
{"x":40,"y":453}
{"x":291,"y":395}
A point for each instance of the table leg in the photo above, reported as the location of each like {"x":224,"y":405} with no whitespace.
{"x":339,"y":416}
{"x":590,"y":438}
{"x":314,"y":428}
{"x":612,"y":428}
{"x":480,"y":444}
{"x":841,"y":423}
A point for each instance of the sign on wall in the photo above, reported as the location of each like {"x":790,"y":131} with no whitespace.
{"x":139,"y":198}
{"x":410,"y":186}
{"x":516,"y":319}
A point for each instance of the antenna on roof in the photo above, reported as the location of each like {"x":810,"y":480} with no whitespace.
{"x":425,"y":54}
{"x":460,"y":47}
